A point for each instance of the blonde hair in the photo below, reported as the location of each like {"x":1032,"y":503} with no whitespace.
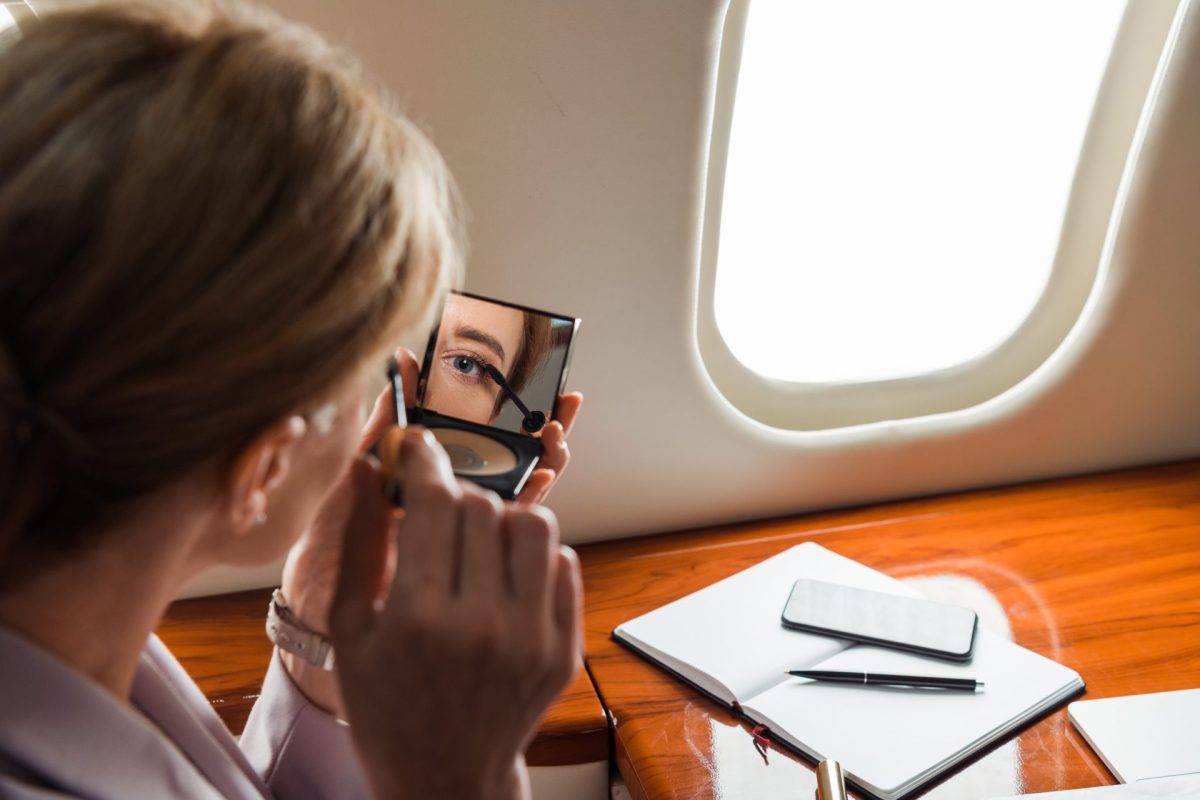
{"x":207,"y":221}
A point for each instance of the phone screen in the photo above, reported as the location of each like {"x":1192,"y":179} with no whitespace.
{"x":888,"y":620}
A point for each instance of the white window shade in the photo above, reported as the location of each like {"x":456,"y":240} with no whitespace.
{"x":907,"y":201}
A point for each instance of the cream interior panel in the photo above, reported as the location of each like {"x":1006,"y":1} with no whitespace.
{"x":578,"y":132}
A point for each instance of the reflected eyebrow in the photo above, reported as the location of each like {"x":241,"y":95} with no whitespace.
{"x":484,"y":338}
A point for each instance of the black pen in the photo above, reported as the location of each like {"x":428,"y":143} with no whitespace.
{"x":884,"y":679}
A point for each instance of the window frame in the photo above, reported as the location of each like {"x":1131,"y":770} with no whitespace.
{"x":22,"y":12}
{"x":1125,"y":95}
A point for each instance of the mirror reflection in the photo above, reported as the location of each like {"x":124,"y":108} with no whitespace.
{"x":496,"y":364}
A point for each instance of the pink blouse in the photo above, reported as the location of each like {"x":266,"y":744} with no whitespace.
{"x":62,"y":735}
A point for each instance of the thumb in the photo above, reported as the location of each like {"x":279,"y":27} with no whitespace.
{"x":410,"y":373}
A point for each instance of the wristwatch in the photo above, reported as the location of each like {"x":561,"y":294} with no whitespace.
{"x":290,"y":634}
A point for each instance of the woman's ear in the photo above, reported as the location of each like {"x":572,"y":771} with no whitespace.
{"x":259,"y":468}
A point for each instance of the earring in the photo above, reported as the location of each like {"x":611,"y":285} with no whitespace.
{"x":260,"y":519}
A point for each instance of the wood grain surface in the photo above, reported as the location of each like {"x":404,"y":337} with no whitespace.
{"x":1101,"y":573}
{"x":221,"y":642}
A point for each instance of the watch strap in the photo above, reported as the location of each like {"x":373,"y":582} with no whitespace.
{"x":288,"y":633}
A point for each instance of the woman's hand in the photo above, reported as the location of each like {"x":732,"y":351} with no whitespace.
{"x":310,"y":571}
{"x":555,"y":455}
{"x":446,"y":667}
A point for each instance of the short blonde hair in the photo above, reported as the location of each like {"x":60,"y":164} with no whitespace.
{"x":207,"y":221}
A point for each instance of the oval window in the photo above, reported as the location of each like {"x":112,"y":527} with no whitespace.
{"x":896,"y":179}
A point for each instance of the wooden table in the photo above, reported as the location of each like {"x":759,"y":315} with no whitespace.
{"x":221,"y":643}
{"x":1101,"y":573}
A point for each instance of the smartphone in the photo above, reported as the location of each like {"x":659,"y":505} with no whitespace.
{"x":885,"y":620}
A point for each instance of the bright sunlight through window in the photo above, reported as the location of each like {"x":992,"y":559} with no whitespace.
{"x":6,"y":19}
{"x":897,"y":176}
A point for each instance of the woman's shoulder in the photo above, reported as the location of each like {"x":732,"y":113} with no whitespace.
{"x":62,"y":735}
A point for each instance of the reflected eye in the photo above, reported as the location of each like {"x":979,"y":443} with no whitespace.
{"x":466,"y":367}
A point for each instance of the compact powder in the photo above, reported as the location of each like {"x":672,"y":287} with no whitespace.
{"x":473,"y":455}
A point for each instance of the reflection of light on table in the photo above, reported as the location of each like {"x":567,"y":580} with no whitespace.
{"x":735,"y":768}
{"x":999,"y":772}
{"x":965,"y":581}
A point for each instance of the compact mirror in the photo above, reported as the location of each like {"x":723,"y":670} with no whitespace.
{"x":490,"y":379}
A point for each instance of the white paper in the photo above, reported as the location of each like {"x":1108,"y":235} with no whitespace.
{"x":1144,"y":735}
{"x":728,"y":639}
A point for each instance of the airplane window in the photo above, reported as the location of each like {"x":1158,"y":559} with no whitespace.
{"x":897,"y":177}
{"x":12,"y":14}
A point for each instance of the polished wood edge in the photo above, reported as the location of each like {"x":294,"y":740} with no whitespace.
{"x":565,"y":750}
{"x":574,"y":730}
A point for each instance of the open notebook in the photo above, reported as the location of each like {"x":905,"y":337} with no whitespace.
{"x":727,"y":641}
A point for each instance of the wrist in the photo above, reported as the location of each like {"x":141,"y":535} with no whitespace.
{"x":319,"y":686}
{"x":306,"y":655}
{"x":291,"y":635}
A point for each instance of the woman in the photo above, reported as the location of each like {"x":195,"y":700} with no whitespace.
{"x":210,"y":232}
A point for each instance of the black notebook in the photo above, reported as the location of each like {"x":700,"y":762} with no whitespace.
{"x":727,"y":641}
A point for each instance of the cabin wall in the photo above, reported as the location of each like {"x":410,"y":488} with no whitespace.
{"x":579,"y":132}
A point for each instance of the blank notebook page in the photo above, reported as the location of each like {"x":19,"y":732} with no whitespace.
{"x":890,"y":737}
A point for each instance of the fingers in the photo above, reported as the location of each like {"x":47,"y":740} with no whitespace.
{"x":459,"y":543}
{"x":567,"y":410}
{"x":536,"y":487}
{"x":383,"y":413}
{"x":364,"y":553}
{"x":532,"y":539}
{"x":555,"y":457}
{"x":482,"y":552}
{"x":555,"y":454}
{"x":427,"y":542}
{"x":568,"y":606}
{"x":410,"y":373}
{"x":498,"y":650}
{"x":382,"y":417}
{"x":546,"y":590}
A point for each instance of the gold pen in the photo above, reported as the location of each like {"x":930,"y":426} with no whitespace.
{"x":830,"y":783}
